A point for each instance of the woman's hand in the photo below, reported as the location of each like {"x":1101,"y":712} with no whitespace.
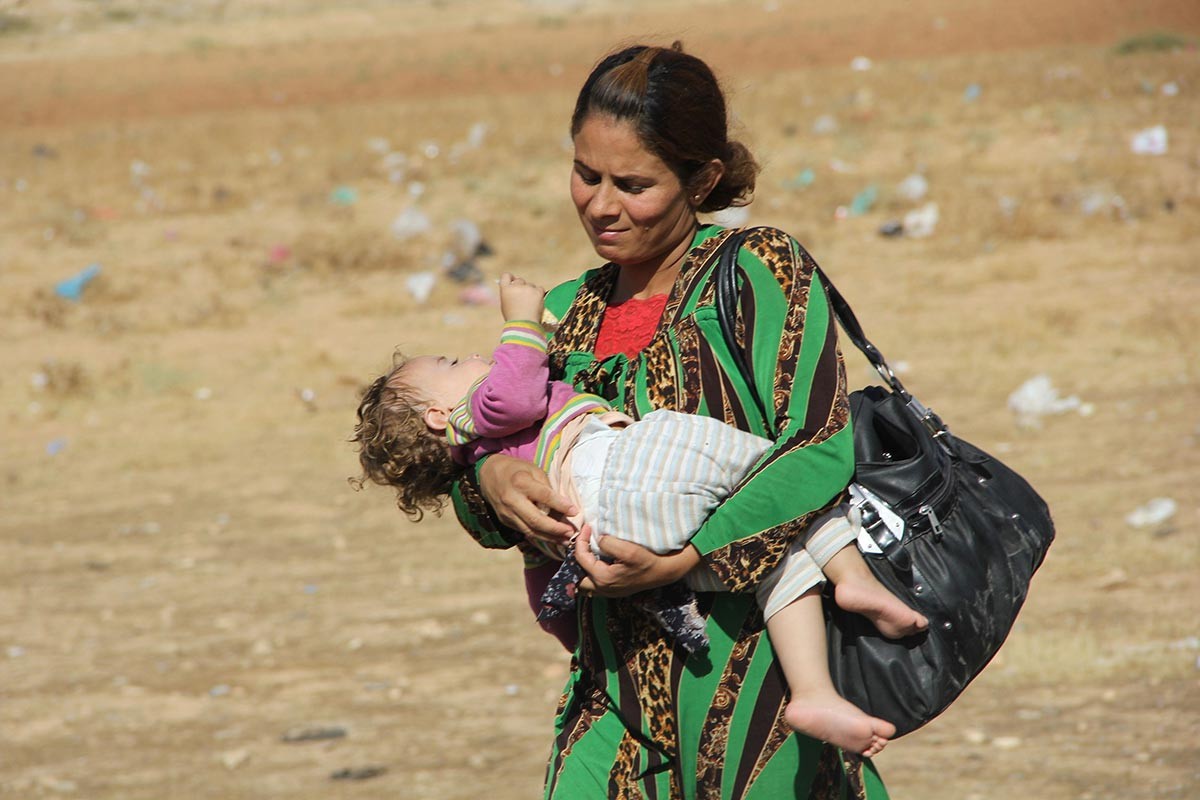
{"x":634,"y":568}
{"x":521,"y":496}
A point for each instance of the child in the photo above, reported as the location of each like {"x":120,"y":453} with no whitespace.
{"x":426,"y":420}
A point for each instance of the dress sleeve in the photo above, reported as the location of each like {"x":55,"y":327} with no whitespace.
{"x":790,"y":338}
{"x":514,"y":395}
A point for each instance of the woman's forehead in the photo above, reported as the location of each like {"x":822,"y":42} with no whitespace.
{"x":614,"y":142}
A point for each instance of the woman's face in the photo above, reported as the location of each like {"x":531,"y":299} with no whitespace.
{"x":632,"y":206}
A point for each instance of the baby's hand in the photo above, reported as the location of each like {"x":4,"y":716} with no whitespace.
{"x":520,"y":300}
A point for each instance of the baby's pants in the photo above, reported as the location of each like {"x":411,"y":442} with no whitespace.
{"x":656,"y":481}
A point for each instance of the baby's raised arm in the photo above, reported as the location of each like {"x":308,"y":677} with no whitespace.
{"x":520,"y":299}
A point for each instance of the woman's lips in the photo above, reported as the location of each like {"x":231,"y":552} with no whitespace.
{"x":607,"y":234}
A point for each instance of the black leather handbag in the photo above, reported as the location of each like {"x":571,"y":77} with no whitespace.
{"x":949,"y":529}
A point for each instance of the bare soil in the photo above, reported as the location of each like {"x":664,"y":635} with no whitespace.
{"x":186,"y":578}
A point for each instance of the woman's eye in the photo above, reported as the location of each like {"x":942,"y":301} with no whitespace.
{"x":631,"y":188}
{"x":590,"y":180}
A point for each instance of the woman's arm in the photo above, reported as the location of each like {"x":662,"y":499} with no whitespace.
{"x":506,"y":499}
{"x":633,"y":568}
{"x":791,"y":341}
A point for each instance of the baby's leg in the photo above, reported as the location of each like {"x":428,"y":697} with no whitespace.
{"x":856,"y":589}
{"x":816,"y":709}
{"x":830,"y":543}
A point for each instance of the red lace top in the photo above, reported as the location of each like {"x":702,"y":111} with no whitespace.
{"x":628,"y":327}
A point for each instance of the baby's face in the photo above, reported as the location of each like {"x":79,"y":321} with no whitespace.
{"x":444,"y":381}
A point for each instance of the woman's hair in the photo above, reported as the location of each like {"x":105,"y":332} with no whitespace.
{"x":397,"y":449}
{"x":676,"y":105}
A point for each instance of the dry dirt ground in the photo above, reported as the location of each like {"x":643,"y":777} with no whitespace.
{"x":185,"y":575}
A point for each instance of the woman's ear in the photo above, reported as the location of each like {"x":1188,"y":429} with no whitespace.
{"x":707,"y":178}
{"x":436,"y":418}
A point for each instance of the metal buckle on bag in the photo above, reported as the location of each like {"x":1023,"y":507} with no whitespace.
{"x":931,"y":420}
{"x":881,"y":527}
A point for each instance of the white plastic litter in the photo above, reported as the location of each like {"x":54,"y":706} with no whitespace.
{"x":921,"y":222}
{"x":466,"y":237}
{"x":1150,"y":141}
{"x":411,"y":222}
{"x":860,"y":64}
{"x":825,"y":125}
{"x":1036,"y":398}
{"x":913,"y":188}
{"x":1153,"y":513}
{"x":420,"y":285}
{"x":478,"y":134}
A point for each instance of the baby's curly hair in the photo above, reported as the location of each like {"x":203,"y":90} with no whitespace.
{"x":395,"y":448}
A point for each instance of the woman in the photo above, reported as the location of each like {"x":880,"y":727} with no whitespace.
{"x":639,"y":717}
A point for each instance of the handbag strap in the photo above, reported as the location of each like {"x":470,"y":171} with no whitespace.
{"x":726,"y":280}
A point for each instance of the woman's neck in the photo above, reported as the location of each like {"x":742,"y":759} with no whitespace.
{"x":654,"y":277}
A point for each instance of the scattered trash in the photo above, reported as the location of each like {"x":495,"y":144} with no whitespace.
{"x":14,"y":651}
{"x":313,"y":734}
{"x":1037,"y":398}
{"x":279,"y":254}
{"x":837,"y":165}
{"x":512,"y":690}
{"x":1008,"y":205}
{"x":1094,"y":201}
{"x":235,"y":758}
{"x":1170,"y":89}
{"x":972,"y":93}
{"x":357,"y":773}
{"x":308,"y":397}
{"x":732,"y":217}
{"x":825,"y":125}
{"x":380,"y":145}
{"x":803,"y":179}
{"x":72,"y":288}
{"x":1150,"y":141}
{"x":892,"y":227}
{"x":921,"y":222}
{"x":467,"y":244}
{"x":431,"y":150}
{"x":1153,"y":513}
{"x":411,"y":222}
{"x":344,"y":196}
{"x":420,"y":285}
{"x":461,"y":271}
{"x":56,"y":446}
{"x":138,"y":169}
{"x":44,"y":151}
{"x":863,"y":201}
{"x":1006,"y":742}
{"x":913,"y":188}
{"x":975,"y":736}
{"x":220,"y":690}
{"x":478,"y":134}
{"x":860,"y":64}
{"x":479,"y":295}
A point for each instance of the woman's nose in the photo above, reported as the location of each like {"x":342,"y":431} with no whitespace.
{"x":605,"y":202}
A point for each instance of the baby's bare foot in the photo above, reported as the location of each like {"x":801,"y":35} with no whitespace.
{"x":887,"y":613}
{"x":839,"y":722}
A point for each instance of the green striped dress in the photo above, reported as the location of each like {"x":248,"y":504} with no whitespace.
{"x":640,"y":718}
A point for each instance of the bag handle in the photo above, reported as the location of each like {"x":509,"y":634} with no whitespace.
{"x":727,"y":308}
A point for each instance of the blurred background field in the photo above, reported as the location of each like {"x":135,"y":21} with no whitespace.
{"x":193,"y":601}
